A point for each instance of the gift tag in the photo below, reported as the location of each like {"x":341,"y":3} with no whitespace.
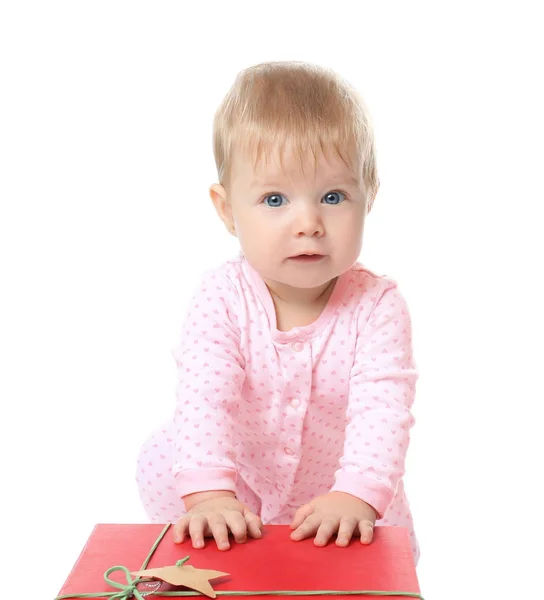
{"x":186,"y":575}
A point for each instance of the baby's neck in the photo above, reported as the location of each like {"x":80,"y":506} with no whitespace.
{"x":296,"y":307}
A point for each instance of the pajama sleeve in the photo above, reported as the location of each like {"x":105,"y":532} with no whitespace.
{"x":382,"y":389}
{"x":210,"y":378}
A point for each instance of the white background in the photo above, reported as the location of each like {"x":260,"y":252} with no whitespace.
{"x":106,"y":225}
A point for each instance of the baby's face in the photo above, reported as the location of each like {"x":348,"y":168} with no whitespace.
{"x":298,"y":228}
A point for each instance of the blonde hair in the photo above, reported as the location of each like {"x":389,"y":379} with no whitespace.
{"x":277,"y":104}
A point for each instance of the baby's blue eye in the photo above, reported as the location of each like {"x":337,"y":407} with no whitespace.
{"x":334,"y":198}
{"x":274,"y":200}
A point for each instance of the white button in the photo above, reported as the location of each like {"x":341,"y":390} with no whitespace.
{"x":295,"y":403}
{"x":288,"y":451}
{"x":297,"y":346}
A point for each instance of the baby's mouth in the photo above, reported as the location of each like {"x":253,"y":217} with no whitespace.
{"x":307,"y":257}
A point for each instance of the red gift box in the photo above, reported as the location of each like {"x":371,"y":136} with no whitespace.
{"x":272,"y":563}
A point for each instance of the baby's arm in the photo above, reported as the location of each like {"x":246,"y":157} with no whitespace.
{"x":193,"y":499}
{"x":382,"y":389}
{"x":211,"y":375}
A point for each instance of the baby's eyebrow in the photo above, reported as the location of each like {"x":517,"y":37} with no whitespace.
{"x":265,"y":183}
{"x":348,"y":179}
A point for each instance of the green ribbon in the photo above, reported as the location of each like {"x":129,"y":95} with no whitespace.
{"x":130,"y":590}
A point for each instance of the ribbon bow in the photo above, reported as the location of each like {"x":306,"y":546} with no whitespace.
{"x":127,"y":591}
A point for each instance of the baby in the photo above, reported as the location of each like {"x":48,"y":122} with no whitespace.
{"x":296,"y":374}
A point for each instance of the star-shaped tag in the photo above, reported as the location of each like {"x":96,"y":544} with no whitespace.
{"x":186,"y":575}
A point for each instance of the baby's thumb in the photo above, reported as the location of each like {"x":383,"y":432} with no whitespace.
{"x":302,"y":513}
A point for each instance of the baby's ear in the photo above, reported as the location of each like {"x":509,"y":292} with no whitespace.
{"x":372,"y":198}
{"x":220,"y":200}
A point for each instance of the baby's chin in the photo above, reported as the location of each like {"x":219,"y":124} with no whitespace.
{"x":299,"y":280}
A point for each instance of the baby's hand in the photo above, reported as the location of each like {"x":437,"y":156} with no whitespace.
{"x":216,"y":517}
{"x":332,"y":513}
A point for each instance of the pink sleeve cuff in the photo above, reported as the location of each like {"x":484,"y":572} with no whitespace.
{"x":368,"y":490}
{"x":205,"y":480}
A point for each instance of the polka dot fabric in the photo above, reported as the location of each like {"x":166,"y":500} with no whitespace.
{"x":281,"y":417}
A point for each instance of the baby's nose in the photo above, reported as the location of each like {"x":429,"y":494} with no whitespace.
{"x":308,"y":221}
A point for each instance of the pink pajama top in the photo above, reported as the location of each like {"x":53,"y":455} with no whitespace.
{"x":282,"y":417}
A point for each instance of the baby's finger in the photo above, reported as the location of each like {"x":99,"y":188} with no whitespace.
{"x":366,"y":529}
{"x":219,"y":530}
{"x":307,"y":529}
{"x":180,"y":529}
{"x":345,"y":531}
{"x":254,"y":524}
{"x":302,"y":513}
{"x":197,"y":526}
{"x":328,"y":527}
{"x":237,"y":524}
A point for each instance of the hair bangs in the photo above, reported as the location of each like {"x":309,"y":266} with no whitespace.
{"x":275,"y":108}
